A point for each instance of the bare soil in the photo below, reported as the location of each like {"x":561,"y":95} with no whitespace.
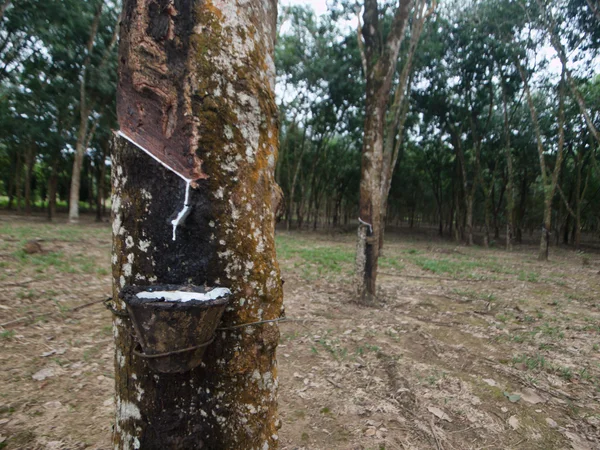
{"x":468,"y":348}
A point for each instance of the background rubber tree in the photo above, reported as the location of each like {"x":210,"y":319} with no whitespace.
{"x":382,"y":38}
{"x":197,"y":78}
{"x":95,"y":78}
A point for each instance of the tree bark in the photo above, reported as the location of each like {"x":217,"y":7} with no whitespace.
{"x":216,"y":57}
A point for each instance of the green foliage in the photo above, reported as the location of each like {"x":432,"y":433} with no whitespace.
{"x":43,"y":45}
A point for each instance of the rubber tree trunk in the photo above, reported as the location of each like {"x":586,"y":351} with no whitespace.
{"x":546,"y":227}
{"x":201,"y":78}
{"x":379,"y":63}
{"x":29,"y":163}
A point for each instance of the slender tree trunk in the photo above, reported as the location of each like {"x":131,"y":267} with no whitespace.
{"x":510,"y":195}
{"x":19,"y":182}
{"x":84,"y":134}
{"x":100,"y":183}
{"x":380,"y":60}
{"x":29,"y":163}
{"x":295,"y":178}
{"x":207,"y":57}
{"x":10,"y":189}
{"x":52,"y":187}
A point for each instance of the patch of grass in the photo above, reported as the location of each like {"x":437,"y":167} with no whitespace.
{"x":7,"y":334}
{"x":62,"y":309}
{"x":446,"y":266}
{"x":531,"y":277}
{"x":315,"y":261}
{"x":475,"y":295}
{"x":553,"y":332}
{"x":387,"y":262}
{"x":531,"y":362}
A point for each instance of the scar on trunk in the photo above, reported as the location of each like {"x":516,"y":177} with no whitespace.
{"x":153,"y":90}
{"x":187,"y":207}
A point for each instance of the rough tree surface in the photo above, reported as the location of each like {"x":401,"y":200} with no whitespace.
{"x":198,"y":77}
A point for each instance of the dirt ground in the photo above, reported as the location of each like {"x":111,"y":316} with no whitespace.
{"x":468,"y":348}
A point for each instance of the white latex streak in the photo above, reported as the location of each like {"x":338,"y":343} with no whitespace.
{"x":183,"y":296}
{"x":184,"y":212}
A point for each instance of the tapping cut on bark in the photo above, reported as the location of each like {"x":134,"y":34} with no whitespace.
{"x":154,"y":103}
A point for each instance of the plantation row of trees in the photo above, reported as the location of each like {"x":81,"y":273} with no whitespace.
{"x":57,"y":102}
{"x":492,"y":118}
{"x":488,"y":113}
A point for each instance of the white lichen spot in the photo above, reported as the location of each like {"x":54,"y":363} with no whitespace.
{"x":144,"y":245}
{"x":127,"y":411}
{"x":129,"y":242}
{"x":136,"y":443}
{"x":120,"y":359}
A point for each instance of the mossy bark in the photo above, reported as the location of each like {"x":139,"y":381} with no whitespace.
{"x":218,"y":56}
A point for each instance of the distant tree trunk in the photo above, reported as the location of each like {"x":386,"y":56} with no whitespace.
{"x":91,"y":198}
{"x":84,"y":134}
{"x":379,"y":62}
{"x":52,"y":187}
{"x":510,"y":192}
{"x":549,"y":180}
{"x":18,"y":181}
{"x":10,"y":189}
{"x":209,"y":82}
{"x":84,"y":113}
{"x":100,"y":184}
{"x":394,"y":131}
{"x":29,"y":163}
{"x":295,"y":178}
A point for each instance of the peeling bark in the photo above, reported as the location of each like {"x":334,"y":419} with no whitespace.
{"x":221,"y":55}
